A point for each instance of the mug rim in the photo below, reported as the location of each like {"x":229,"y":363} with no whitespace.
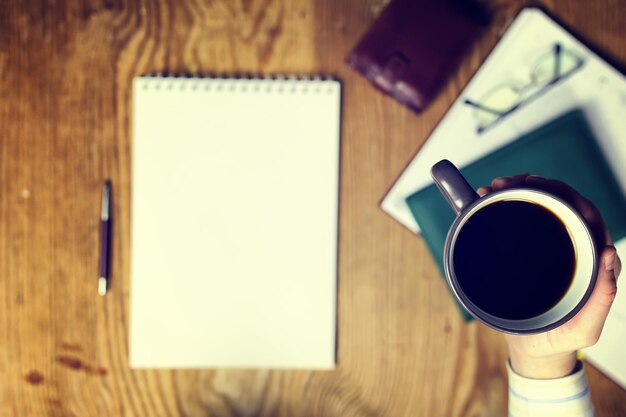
{"x":551,"y":318}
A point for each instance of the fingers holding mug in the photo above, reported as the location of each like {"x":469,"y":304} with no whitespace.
{"x":501,"y":183}
{"x":614,"y":263}
{"x":507,"y":182}
{"x":484,"y":190}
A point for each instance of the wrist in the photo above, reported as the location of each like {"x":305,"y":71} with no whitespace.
{"x":543,"y":367}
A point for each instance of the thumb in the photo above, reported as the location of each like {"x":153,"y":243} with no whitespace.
{"x":590,"y":319}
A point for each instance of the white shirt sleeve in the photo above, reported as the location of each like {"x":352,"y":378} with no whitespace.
{"x":561,"y":397}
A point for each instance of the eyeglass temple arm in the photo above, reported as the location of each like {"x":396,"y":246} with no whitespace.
{"x":557,"y":64}
{"x":481,"y":107}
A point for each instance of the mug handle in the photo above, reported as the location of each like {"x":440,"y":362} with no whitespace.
{"x":453,"y":185}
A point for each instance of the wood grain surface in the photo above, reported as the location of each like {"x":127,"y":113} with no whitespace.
{"x":65,"y":76}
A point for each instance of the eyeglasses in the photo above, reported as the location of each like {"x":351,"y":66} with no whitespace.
{"x":504,"y":99}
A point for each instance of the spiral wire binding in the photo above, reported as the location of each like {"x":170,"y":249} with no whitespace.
{"x":258,"y":84}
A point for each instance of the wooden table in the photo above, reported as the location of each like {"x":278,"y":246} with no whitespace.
{"x":66,"y":70}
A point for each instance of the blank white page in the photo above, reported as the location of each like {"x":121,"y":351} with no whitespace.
{"x":234,"y":223}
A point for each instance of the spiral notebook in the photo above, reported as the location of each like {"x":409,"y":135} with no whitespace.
{"x":234,"y":223}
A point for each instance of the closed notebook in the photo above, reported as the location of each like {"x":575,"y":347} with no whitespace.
{"x":234,"y":223}
{"x":563,"y":149}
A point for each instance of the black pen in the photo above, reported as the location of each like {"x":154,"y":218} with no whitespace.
{"x":105,"y":239}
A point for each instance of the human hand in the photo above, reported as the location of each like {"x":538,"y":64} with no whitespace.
{"x":552,"y":354}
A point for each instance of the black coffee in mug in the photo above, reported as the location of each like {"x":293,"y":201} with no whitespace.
{"x":514,"y":259}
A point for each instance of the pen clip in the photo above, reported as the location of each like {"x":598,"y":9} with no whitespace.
{"x":106,"y":201}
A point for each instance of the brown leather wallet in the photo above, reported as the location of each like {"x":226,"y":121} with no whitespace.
{"x":414,"y":46}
